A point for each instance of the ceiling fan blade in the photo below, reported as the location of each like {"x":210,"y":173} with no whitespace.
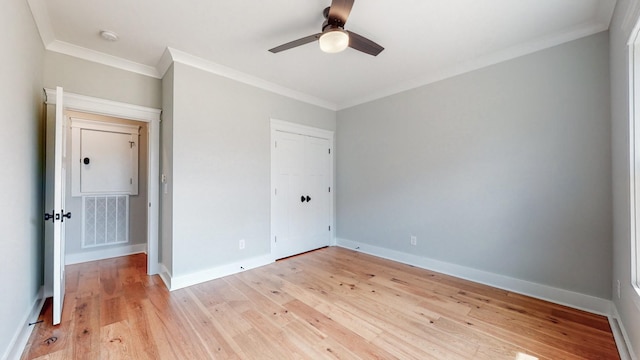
{"x":340,"y":10}
{"x":363,"y":44}
{"x":296,"y":43}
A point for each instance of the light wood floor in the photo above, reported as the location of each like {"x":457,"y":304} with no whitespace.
{"x":331,"y":303}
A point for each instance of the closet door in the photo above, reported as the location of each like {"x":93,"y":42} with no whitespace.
{"x":317,"y":191}
{"x":301,"y":203}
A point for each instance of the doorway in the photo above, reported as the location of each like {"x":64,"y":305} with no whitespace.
{"x":151,"y":119}
{"x":106,"y":187}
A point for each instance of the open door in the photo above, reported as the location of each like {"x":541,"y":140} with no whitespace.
{"x":57,"y":215}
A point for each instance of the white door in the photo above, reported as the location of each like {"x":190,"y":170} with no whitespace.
{"x":58,"y":216}
{"x":317,"y":185}
{"x":301,"y":208}
{"x":107,"y":161}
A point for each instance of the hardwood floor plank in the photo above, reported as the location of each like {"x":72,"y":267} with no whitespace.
{"x":86,"y":330}
{"x":117,"y":340}
{"x":206,"y":328}
{"x":342,"y":335}
{"x":140,"y":328}
{"x":332,"y":303}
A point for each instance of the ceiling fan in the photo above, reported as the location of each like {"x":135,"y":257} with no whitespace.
{"x":334,"y":38}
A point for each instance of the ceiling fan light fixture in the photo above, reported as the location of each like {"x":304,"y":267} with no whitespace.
{"x":334,"y":40}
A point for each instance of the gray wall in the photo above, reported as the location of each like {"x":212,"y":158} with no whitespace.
{"x":101,"y":81}
{"x":221,"y":166}
{"x":505,"y":169}
{"x":20,"y":168}
{"x":623,"y":21}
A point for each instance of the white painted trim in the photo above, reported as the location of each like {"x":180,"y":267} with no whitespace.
{"x":153,"y":198}
{"x":43,"y":22}
{"x":165,"y":62}
{"x":132,"y":112}
{"x":214,"y":68}
{"x":165,"y":275}
{"x":21,"y":337}
{"x":77,"y":122}
{"x":105,"y":253}
{"x":102,"y":58}
{"x":182,"y":281}
{"x":478,"y":63}
{"x":601,"y":21}
{"x":295,"y":128}
{"x":555,"y":295}
{"x":620,"y":335}
{"x":104,"y":107}
{"x":634,"y":156}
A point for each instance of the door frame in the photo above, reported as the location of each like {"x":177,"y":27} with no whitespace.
{"x":145,"y":114}
{"x":294,"y":128}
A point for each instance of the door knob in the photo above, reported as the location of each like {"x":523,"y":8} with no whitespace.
{"x":302,"y":198}
{"x":48,"y":217}
{"x":67,"y":215}
{"x":86,"y":161}
{"x":308,"y":198}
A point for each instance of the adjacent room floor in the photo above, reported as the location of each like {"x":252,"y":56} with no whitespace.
{"x":330,"y":303}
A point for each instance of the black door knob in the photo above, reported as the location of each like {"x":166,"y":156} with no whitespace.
{"x":302,"y":198}
{"x":308,"y":198}
{"x":86,"y":161}
{"x":67,"y":215}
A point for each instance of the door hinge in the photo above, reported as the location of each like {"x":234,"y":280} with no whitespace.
{"x":329,"y":188}
{"x":130,"y":181}
{"x":329,"y":151}
{"x":329,"y":227}
{"x":275,"y":239}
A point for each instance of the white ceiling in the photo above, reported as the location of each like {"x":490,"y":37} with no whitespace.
{"x":424,"y":40}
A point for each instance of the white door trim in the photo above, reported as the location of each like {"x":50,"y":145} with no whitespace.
{"x":289,"y":127}
{"x":149,"y":115}
{"x":294,"y":128}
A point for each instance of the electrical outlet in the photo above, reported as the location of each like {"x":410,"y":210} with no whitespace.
{"x":618,"y":288}
{"x":414,"y":240}
{"x":241,"y":244}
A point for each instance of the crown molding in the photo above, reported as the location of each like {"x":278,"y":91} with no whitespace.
{"x":601,"y":21}
{"x":214,"y":68}
{"x":166,"y":60}
{"x":481,"y":62}
{"x":102,"y":58}
{"x":43,"y":23}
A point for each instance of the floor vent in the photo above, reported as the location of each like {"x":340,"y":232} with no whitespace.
{"x":105,"y":220}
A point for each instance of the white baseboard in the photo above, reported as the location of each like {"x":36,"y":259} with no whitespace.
{"x":179,"y":282}
{"x":21,"y":337}
{"x":620,"y":335}
{"x":104,"y":253}
{"x":165,"y":275}
{"x":544,"y":292}
{"x":555,"y":295}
